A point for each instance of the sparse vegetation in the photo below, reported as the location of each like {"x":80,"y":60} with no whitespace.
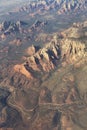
{"x":43,"y":66}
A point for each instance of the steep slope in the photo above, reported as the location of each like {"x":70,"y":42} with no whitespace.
{"x":58,"y":50}
{"x":48,"y":91}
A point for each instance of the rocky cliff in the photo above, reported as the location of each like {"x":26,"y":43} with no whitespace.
{"x":58,"y":50}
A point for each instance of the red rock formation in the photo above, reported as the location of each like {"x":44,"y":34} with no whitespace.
{"x":21,"y":69}
{"x":30,"y":50}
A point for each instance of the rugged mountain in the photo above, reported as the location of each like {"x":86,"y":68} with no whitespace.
{"x":8,"y":27}
{"x":48,"y":57}
{"x":47,"y":91}
{"x":43,"y":65}
{"x":62,"y":48}
{"x":62,"y":6}
{"x":20,"y":28}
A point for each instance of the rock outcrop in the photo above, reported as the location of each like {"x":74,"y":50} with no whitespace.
{"x":66,"y":49}
{"x":30,"y":50}
{"x":45,"y":58}
{"x":8,"y":27}
{"x":43,"y":93}
{"x":72,"y":50}
{"x":48,"y":57}
{"x":61,"y":7}
{"x":22,"y":69}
